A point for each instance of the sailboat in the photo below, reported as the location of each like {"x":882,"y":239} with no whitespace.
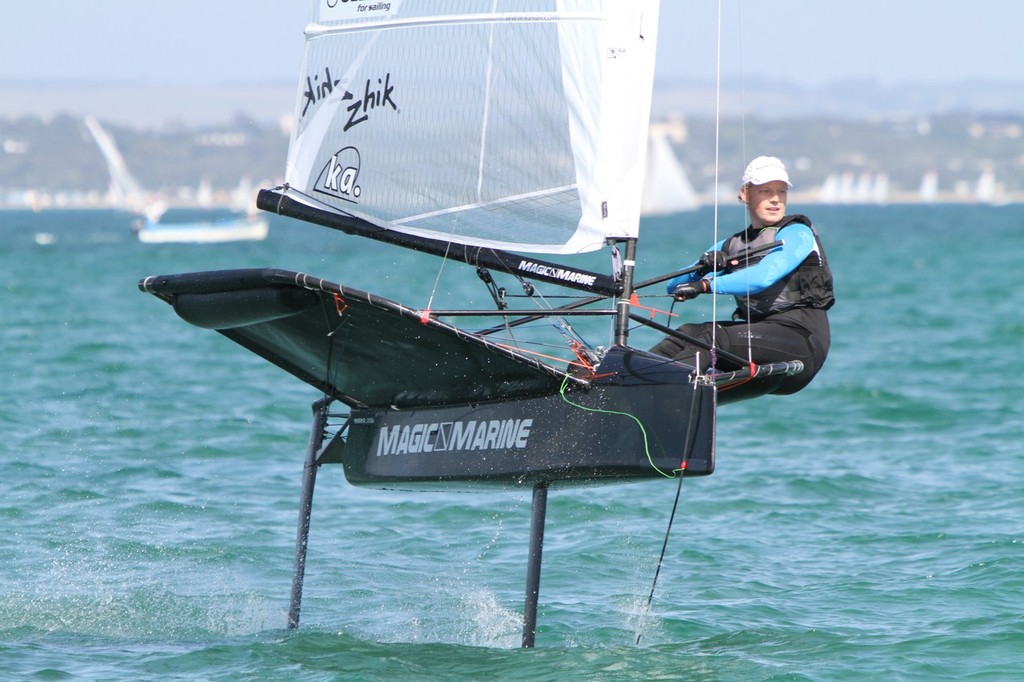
{"x":667,"y":188}
{"x":127,"y":193}
{"x":505,"y":142}
{"x":928,"y":190}
{"x":249,"y":227}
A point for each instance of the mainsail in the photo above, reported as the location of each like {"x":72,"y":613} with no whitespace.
{"x":521,"y":126}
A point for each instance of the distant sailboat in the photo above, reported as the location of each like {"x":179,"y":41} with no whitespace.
{"x":846,"y":189}
{"x":204,"y":194}
{"x":127,"y":193}
{"x":667,"y":188}
{"x":985,"y":190}
{"x":880,"y":188}
{"x":829,"y":191}
{"x":244,"y":228}
{"x":929,"y":190}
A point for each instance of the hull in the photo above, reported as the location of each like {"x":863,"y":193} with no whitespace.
{"x":432,"y":405}
{"x":204,"y":232}
{"x":628,"y":427}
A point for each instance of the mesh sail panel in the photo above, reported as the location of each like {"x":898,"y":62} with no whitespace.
{"x":520,"y":126}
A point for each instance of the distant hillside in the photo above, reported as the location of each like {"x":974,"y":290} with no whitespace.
{"x":838,"y":140}
{"x":851,"y":100}
{"x":147,"y":106}
{"x":59,"y":156}
{"x":852,"y":160}
{"x":155,"y":107}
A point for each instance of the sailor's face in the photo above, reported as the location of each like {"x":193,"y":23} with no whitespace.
{"x":766,"y":203}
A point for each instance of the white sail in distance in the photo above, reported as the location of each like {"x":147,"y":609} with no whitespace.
{"x":517,"y":125}
{"x":667,"y":189}
{"x":125,"y":190}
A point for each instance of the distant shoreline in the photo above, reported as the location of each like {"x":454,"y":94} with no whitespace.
{"x":150,"y":106}
{"x":807,"y":198}
{"x":155,"y":106}
{"x":964,"y":157}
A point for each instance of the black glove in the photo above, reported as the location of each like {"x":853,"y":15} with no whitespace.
{"x":712,"y":261}
{"x":690,"y":290}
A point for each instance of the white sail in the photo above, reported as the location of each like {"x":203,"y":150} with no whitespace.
{"x":126,"y":192}
{"x":880,"y":188}
{"x":829,"y":192}
{"x":517,"y":125}
{"x":985,"y":187}
{"x":667,"y":189}
{"x":929,"y":188}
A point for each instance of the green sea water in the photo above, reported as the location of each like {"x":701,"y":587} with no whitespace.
{"x":870,"y":527}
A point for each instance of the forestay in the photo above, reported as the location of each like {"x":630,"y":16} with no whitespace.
{"x":518,"y":126}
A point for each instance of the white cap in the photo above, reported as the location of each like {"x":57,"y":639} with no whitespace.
{"x":765,"y":169}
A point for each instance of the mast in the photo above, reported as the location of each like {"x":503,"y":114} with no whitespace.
{"x":622,"y":308}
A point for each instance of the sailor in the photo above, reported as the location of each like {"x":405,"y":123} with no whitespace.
{"x":781,"y":294}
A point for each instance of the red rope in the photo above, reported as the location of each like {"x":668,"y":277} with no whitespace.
{"x":340,"y":305}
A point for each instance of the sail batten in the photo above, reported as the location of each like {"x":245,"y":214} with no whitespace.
{"x":319,"y":30}
{"x":519,"y":130}
{"x":484,"y":204}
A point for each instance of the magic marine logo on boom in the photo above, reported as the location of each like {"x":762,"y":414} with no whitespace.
{"x":461,"y":436}
{"x":562,"y":274}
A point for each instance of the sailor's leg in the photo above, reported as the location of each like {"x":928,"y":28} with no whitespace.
{"x":684,"y":351}
{"x":772,"y":342}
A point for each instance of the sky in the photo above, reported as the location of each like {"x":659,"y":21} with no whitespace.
{"x":807,"y":43}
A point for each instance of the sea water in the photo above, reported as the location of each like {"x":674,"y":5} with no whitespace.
{"x":869,"y":527}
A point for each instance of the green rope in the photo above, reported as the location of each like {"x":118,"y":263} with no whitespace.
{"x":643,"y":431}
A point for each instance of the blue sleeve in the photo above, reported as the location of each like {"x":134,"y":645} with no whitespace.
{"x":798,"y":243}
{"x":690,"y":276}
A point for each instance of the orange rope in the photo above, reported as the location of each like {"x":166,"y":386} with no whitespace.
{"x":340,"y":305}
{"x":634,"y":301}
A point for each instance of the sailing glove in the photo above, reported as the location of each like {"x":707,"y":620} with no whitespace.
{"x":712,"y":261}
{"x":690,"y":290}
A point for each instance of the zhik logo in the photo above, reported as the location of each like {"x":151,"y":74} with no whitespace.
{"x":317,"y":90}
{"x":340,"y":176}
{"x":374,"y":96}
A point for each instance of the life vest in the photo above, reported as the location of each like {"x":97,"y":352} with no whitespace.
{"x":808,"y":286}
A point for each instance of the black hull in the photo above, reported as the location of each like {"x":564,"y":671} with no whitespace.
{"x":433,"y":406}
{"x":610,"y":432}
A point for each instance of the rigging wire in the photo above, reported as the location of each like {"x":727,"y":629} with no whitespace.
{"x":743,"y":158}
{"x":661,"y":557}
{"x":675,"y":508}
{"x":718,"y":166}
{"x":714,"y":303}
{"x":440,"y":270}
{"x":743,"y":148}
{"x":542,"y":302}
